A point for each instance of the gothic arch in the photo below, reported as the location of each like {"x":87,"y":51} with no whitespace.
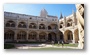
{"x":9,"y":35}
{"x":61,"y":24}
{"x":52,"y":36}
{"x":32,"y":35}
{"x":32,"y":25}
{"x":10,"y":23}
{"x":68,"y":36}
{"x":22,"y":25}
{"x":69,"y":22}
{"x":42,"y":35}
{"x":41,"y":26}
{"x":52,"y":26}
{"x":76,"y":35}
{"x":21,"y":35}
{"x":61,"y":36}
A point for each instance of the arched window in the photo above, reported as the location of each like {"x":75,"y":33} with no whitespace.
{"x":76,"y":35}
{"x":70,"y":36}
{"x":69,"y":22}
{"x":41,"y":26}
{"x":49,"y":27}
{"x":22,"y":25}
{"x":22,"y":35}
{"x":42,"y":35}
{"x":32,"y":35}
{"x":9,"y":35}
{"x":52,"y":36}
{"x":10,"y":24}
{"x":30,"y":18}
{"x":61,"y":36}
{"x":60,"y":26}
{"x":32,"y":25}
{"x":52,"y":26}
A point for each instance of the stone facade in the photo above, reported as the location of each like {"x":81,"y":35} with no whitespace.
{"x":21,"y":27}
{"x":68,"y":28}
{"x":80,"y":18}
{"x":43,"y":28}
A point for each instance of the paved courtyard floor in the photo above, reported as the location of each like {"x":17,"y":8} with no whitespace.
{"x":38,"y":46}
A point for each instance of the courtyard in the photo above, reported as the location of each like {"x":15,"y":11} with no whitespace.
{"x":42,"y":46}
{"x":45,"y":27}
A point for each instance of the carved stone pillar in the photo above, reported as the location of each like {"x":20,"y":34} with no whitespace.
{"x":37,"y":36}
{"x":15,"y":36}
{"x":73,"y":38}
{"x":27,"y":35}
{"x":46,"y":38}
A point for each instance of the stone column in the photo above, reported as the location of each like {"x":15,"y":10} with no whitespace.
{"x":73,"y":38}
{"x":58,"y":37}
{"x":46,"y":37}
{"x":81,"y":37}
{"x":16,"y":24}
{"x":37,"y":36}
{"x":65,"y":22}
{"x":46,"y":26}
{"x":27,"y":24}
{"x":64,"y":38}
{"x":15,"y":36}
{"x":27,"y":35}
{"x":38,"y":26}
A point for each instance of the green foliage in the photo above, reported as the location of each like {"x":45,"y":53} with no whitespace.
{"x":26,"y":42}
{"x":70,"y":45}
{"x":50,"y":48}
{"x":8,"y":46}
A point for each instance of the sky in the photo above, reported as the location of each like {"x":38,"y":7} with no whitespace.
{"x":35,"y":9}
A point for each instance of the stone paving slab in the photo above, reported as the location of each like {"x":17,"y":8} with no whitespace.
{"x":35,"y":46}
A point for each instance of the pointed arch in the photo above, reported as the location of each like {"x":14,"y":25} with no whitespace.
{"x":10,"y":23}
{"x":42,"y":35}
{"x":21,"y":35}
{"x":76,"y":35}
{"x":32,"y":25}
{"x":52,"y":26}
{"x":68,"y":36}
{"x":61,"y":35}
{"x":61,"y":24}
{"x":9,"y":35}
{"x":52,"y":36}
{"x":22,"y":25}
{"x":32,"y":35}
{"x":69,"y":22}
{"x":41,"y":26}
